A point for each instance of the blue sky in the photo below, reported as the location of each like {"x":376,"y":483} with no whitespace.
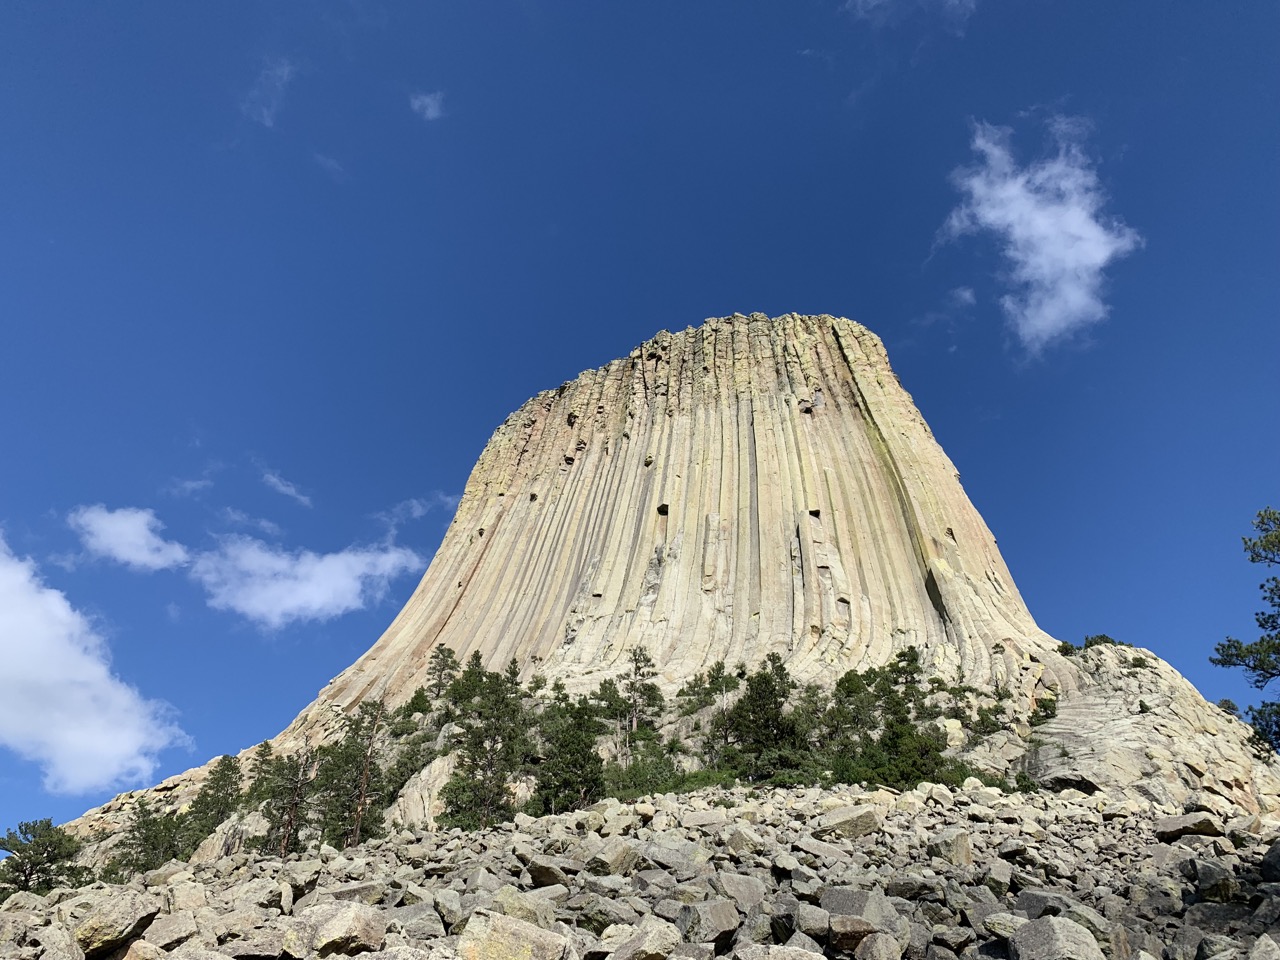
{"x":270,"y":275}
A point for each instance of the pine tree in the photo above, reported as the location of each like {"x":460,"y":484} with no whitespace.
{"x":151,"y":839}
{"x":442,"y":668}
{"x":572,"y":775}
{"x":1260,"y":659}
{"x":219,"y":797}
{"x":284,"y":789}
{"x":349,"y":779}
{"x":40,"y":859}
{"x":492,"y":744}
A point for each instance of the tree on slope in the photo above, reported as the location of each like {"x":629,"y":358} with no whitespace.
{"x":40,"y":858}
{"x":1260,"y":659}
{"x":349,"y":779}
{"x":492,"y":743}
{"x":218,"y":798}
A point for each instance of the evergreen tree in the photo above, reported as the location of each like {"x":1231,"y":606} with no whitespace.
{"x":349,"y":779}
{"x":492,"y":744}
{"x":1260,"y":659}
{"x":285,"y":791}
{"x":219,"y":797}
{"x":151,"y":839}
{"x":763,"y":735}
{"x":572,"y":774}
{"x":442,"y":668}
{"x":40,"y":859}
{"x":644,"y":700}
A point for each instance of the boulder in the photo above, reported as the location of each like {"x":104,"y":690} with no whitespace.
{"x":493,"y":936}
{"x":1053,"y":938}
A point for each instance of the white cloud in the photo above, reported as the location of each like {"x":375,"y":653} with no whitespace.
{"x":1047,"y":217}
{"x":60,"y":705}
{"x":274,"y":587}
{"x":336,"y":171}
{"x":129,"y":535}
{"x":265,"y":98}
{"x":189,"y":488}
{"x":241,"y":519}
{"x":280,"y":485}
{"x":429,"y":106}
{"x":963,"y":297}
{"x":880,"y":11}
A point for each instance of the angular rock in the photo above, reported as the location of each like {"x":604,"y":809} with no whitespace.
{"x":104,"y":920}
{"x":1053,"y":938}
{"x":852,"y":821}
{"x":710,"y":921}
{"x":336,"y":928}
{"x":492,"y":936}
{"x":1201,"y":824}
{"x":654,"y":939}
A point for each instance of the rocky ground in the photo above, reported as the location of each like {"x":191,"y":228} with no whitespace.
{"x":758,"y":875}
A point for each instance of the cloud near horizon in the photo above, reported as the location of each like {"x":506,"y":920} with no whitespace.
{"x":275,"y":587}
{"x":130,"y":536}
{"x":61,"y":706}
{"x":1048,"y":219}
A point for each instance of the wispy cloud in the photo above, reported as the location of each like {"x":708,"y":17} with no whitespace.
{"x":239,"y":518}
{"x":280,"y":485}
{"x":129,"y":535}
{"x":962,"y":297}
{"x":266,"y":96}
{"x":189,"y":488}
{"x":429,"y":106}
{"x":1048,"y":219}
{"x":335,"y":170}
{"x":880,"y":12}
{"x":274,"y":587}
{"x":61,"y":706}
{"x":416,"y":508}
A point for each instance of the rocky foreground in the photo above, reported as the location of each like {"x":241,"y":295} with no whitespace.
{"x":793,"y":874}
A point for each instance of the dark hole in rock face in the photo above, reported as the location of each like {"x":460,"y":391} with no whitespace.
{"x":568,"y":460}
{"x":533,"y":497}
{"x":815,"y":512}
{"x":663,"y":509}
{"x":480,"y":532}
{"x":1071,"y":783}
{"x":572,"y":418}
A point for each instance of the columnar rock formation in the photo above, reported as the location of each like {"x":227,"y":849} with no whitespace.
{"x":747,"y":487}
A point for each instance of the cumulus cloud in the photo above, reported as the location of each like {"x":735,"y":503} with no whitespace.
{"x":265,"y":98}
{"x":274,"y":587}
{"x":129,"y":535}
{"x":429,"y":106}
{"x":1048,"y":219}
{"x":280,"y":485}
{"x":60,"y":705}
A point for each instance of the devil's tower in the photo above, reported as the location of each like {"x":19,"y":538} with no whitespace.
{"x":749,"y":486}
{"x":758,"y":485}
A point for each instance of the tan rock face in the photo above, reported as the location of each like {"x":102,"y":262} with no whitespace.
{"x":747,"y":487}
